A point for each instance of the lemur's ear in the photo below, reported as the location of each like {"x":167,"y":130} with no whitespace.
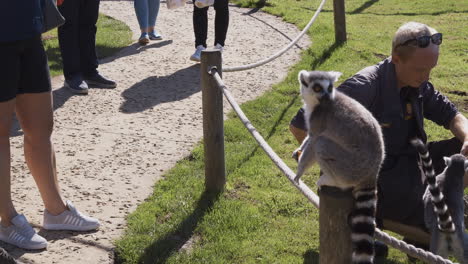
{"x":302,"y":77}
{"x":447,"y":161}
{"x":336,"y":75}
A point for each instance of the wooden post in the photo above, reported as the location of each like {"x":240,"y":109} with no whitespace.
{"x":213,"y":122}
{"x":335,"y":235}
{"x":340,"y":20}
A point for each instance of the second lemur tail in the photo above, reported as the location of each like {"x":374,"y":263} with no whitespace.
{"x":362,"y":222}
{"x":444,"y":219}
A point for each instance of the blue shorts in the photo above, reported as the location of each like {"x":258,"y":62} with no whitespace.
{"x":23,"y":68}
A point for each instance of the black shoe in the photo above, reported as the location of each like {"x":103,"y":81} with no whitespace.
{"x":98,"y":81}
{"x":76,"y":85}
{"x":381,"y":250}
{"x":5,"y":258}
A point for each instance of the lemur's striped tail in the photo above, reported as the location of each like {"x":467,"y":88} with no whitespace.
{"x":444,"y":219}
{"x":362,"y":222}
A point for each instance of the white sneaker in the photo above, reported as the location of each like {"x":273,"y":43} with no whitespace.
{"x":197,"y":55}
{"x":70,"y":219}
{"x":219,"y":47}
{"x":21,"y":234}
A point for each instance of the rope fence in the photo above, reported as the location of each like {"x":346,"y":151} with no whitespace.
{"x":411,"y":250}
{"x":213,"y":88}
{"x":281,"y":52}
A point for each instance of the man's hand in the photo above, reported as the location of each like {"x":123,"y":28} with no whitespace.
{"x":464,"y":149}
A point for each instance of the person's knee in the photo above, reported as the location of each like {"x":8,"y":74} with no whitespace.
{"x":298,"y":133}
{"x":38,"y":134}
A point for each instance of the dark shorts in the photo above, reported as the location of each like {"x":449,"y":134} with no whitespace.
{"x":23,"y":68}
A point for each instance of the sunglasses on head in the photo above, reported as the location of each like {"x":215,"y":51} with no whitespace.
{"x":424,"y":41}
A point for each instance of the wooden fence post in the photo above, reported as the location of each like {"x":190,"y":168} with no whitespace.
{"x":335,"y":235}
{"x":213,"y":122}
{"x":340,"y":20}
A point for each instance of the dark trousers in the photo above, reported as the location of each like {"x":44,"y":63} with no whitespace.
{"x":77,"y":37}
{"x":200,"y":23}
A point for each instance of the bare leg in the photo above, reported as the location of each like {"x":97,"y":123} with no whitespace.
{"x":7,"y":210}
{"x":298,"y":133}
{"x":35,"y":114}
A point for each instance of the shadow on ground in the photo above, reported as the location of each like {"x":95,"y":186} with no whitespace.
{"x":155,"y":90}
{"x":172,"y":242}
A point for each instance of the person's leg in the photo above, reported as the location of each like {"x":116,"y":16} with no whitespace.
{"x":221,"y":21}
{"x":68,"y":36}
{"x":35,"y":113}
{"x":7,"y":210}
{"x":153,"y":11}
{"x":445,"y":148}
{"x":142,"y":11}
{"x":297,"y":126}
{"x":88,"y":16}
{"x":10,"y":68}
{"x":200,"y":25}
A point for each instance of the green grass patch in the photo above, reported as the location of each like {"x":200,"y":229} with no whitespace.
{"x":112,"y":35}
{"x":261,"y":217}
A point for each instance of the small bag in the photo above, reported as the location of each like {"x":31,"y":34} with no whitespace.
{"x":51,"y":16}
{"x":171,"y":4}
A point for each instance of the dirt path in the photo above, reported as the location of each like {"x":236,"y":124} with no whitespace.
{"x":112,"y":145}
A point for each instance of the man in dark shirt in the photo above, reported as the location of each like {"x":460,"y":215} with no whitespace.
{"x":398,"y":93}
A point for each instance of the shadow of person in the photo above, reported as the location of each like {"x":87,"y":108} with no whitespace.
{"x":159,"y":251}
{"x":155,"y":90}
{"x":133,"y":49}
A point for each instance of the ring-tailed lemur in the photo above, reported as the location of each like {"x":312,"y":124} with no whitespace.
{"x":347,"y":143}
{"x":443,"y":202}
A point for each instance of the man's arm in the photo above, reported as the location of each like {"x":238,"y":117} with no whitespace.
{"x":459,"y":128}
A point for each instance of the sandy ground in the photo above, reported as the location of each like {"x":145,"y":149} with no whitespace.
{"x":113,"y":145}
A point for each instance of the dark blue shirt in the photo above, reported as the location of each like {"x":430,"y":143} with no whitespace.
{"x":20,"y":19}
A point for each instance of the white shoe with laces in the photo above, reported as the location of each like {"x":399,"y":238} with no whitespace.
{"x":21,"y":234}
{"x":70,"y":219}
{"x":196,"y":56}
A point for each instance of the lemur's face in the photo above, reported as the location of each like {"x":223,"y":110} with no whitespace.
{"x":317,"y":86}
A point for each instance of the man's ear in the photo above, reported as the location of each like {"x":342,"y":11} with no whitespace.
{"x":336,"y":75}
{"x":447,"y":161}
{"x":466,"y":165}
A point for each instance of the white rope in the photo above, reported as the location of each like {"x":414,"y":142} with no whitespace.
{"x":279,"y":53}
{"x":311,"y":196}
{"x":264,"y":145}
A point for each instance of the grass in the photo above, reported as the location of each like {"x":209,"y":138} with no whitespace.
{"x":112,"y":35}
{"x":261,"y":217}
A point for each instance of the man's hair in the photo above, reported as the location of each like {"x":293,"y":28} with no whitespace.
{"x":409,"y":30}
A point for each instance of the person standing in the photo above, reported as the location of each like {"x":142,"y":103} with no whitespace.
{"x":77,"y":40}
{"x":200,"y":27}
{"x":147,"y":13}
{"x":26,"y":91}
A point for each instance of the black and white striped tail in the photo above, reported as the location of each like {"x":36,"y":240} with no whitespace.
{"x":444,"y":219}
{"x":363,"y":226}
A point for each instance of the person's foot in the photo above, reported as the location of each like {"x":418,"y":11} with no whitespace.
{"x":219,"y":47}
{"x":154,"y":36}
{"x":196,"y":56}
{"x":70,"y":219}
{"x":5,"y":258}
{"x":98,"y":81}
{"x":76,"y":84}
{"x":21,"y":234}
{"x":144,"y":39}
